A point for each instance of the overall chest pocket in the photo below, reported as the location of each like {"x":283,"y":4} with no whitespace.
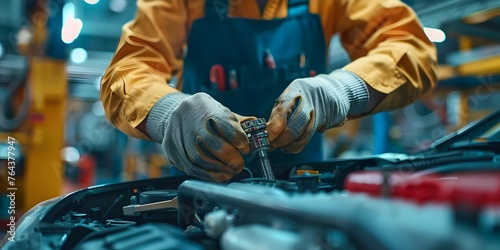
{"x":252,"y":90}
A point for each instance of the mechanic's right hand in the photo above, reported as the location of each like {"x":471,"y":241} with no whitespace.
{"x":205,"y":139}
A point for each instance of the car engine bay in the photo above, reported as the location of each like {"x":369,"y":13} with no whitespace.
{"x":342,"y":204}
{"x":445,"y":197}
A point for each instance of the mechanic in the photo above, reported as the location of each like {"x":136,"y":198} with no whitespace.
{"x":241,"y":57}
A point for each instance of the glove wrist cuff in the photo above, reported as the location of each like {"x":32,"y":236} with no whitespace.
{"x":355,"y":89}
{"x":159,"y":114}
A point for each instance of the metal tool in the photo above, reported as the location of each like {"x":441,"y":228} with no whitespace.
{"x":256,"y":131}
{"x":132,"y":209}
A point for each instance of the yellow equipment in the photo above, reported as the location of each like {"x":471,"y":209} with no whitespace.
{"x":41,"y":134}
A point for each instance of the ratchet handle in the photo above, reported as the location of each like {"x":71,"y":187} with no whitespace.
{"x":256,"y":131}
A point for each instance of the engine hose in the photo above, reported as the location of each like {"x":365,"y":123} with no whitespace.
{"x":6,"y":98}
{"x":418,"y":165}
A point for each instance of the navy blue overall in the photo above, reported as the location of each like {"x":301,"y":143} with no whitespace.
{"x":243,"y":48}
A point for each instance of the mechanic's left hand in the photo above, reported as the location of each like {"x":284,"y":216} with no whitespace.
{"x":314,"y":104}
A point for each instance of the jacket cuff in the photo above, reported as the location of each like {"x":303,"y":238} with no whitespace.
{"x":356,"y":90}
{"x":159,"y":114}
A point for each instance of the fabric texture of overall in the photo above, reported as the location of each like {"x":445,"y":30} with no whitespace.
{"x":245,"y":64}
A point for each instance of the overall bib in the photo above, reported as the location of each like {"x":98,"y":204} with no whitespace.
{"x":253,"y":61}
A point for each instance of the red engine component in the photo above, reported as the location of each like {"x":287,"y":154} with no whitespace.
{"x":466,"y":190}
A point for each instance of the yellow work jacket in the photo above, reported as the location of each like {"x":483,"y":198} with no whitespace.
{"x":384,"y":39}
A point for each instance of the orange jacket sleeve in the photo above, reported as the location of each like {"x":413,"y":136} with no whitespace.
{"x":388,"y":48}
{"x":149,"y":53}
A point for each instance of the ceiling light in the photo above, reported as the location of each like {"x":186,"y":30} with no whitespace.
{"x":78,"y":55}
{"x":70,"y":154}
{"x":91,"y":1}
{"x":71,"y":25}
{"x":435,"y":35}
{"x":68,"y":12}
{"x":118,"y":5}
{"x":71,"y":30}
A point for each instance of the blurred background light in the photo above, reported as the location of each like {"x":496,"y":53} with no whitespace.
{"x":1,"y":50}
{"x":91,"y":1}
{"x":97,"y":83}
{"x":71,"y":30}
{"x":70,"y":154}
{"x":68,"y":12}
{"x":78,"y":55}
{"x":435,"y":35}
{"x":97,"y":108}
{"x":118,"y":5}
{"x":24,"y":36}
{"x":71,"y":25}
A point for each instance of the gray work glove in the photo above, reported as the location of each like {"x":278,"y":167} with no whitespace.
{"x":199,"y":135}
{"x":314,"y":104}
